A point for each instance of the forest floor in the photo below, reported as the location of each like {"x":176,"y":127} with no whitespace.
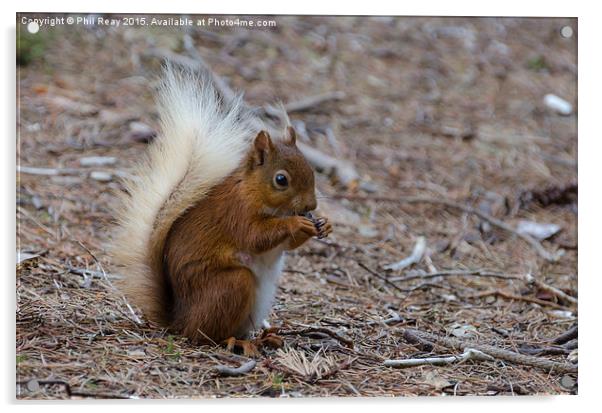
{"x":457,"y":157}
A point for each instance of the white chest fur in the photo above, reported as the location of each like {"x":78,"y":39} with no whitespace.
{"x":267,"y":268}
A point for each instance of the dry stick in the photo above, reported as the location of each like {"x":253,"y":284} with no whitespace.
{"x":468,"y":354}
{"x":34,"y":384}
{"x":390,"y":281}
{"x":566,"y":337}
{"x":30,"y":170}
{"x":394,"y":318}
{"x":418,"y":342}
{"x":312,"y":101}
{"x":347,"y":342}
{"x":546,"y":287}
{"x":544,"y":351}
{"x":510,"y":296}
{"x":482,"y":273}
{"x":463,"y":273}
{"x":236,"y":371}
{"x":75,"y":172}
{"x":498,"y":353}
{"x":383,"y":278}
{"x":306,"y":103}
{"x":492,"y":220}
{"x":413,"y":258}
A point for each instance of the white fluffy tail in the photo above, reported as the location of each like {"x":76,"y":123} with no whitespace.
{"x":202,"y":141}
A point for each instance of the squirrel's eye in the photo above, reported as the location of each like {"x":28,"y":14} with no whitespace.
{"x":281,"y":180}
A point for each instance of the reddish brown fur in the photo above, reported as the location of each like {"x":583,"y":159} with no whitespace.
{"x":210,"y":290}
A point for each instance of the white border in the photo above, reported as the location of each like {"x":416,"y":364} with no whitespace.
{"x":590,"y":207}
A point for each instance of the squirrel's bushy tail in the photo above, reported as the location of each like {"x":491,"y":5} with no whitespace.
{"x":202,"y":140}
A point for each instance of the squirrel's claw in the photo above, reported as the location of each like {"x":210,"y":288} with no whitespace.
{"x":271,"y":341}
{"x":248,"y":347}
{"x":324,"y":227}
{"x":321,"y":225}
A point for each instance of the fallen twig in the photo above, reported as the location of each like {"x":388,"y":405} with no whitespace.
{"x":549,"y":256}
{"x":414,"y":258}
{"x":30,"y":170}
{"x":306,"y":103}
{"x":97,"y":175}
{"x":235,"y":371}
{"x":566,"y":337}
{"x":483,"y":273}
{"x":417,"y":341}
{"x":383,"y":278}
{"x":468,"y":354}
{"x":510,"y":296}
{"x":553,"y":290}
{"x":498,"y":353}
{"x":394,"y":318}
{"x":347,"y":342}
{"x":463,"y":273}
{"x":542,"y":351}
{"x":33,"y":385}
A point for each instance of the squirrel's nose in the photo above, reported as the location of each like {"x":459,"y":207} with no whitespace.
{"x":311,"y":204}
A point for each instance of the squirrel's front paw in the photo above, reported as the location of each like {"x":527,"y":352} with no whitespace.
{"x":323,"y":226}
{"x":305,"y":225}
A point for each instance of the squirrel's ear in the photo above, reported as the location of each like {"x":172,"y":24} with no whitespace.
{"x":263,"y":145}
{"x":290,"y":136}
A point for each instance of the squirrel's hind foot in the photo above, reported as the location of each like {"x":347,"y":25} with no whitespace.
{"x":250,"y":348}
{"x":270,"y":340}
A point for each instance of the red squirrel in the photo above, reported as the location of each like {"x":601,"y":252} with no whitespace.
{"x":203,"y":227}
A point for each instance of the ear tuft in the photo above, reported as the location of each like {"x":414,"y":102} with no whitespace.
{"x":262,"y":147}
{"x":290,"y":136}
